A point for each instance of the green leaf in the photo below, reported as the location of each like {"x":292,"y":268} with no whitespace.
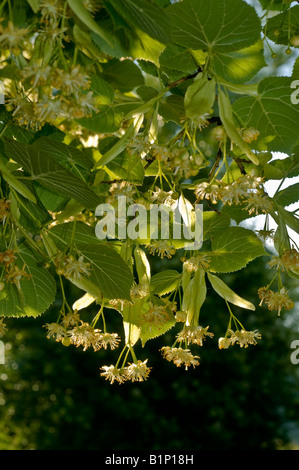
{"x":37,"y":293}
{"x":34,"y":5}
{"x":15,"y":183}
{"x":152,"y":331}
{"x":50,"y":174}
{"x":178,"y":58}
{"x":142,"y":266}
{"x":228,"y":294}
{"x":272,"y":113}
{"x":172,"y":108}
{"x":145,"y":15}
{"x":287,"y":196}
{"x":284,"y":28}
{"x":214,"y":222}
{"x":86,"y":18}
{"x":199,"y":97}
{"x":274,"y":5}
{"x":103,"y":91}
{"x":290,"y":219}
{"x":127,"y":167}
{"x":108,"y":270}
{"x":67,"y":155}
{"x":240,"y":66}
{"x":233,"y":249}
{"x":216,"y":25}
{"x":107,"y":119}
{"x":123,"y":75}
{"x":80,"y":234}
{"x":226,"y":116}
{"x":165,"y":282}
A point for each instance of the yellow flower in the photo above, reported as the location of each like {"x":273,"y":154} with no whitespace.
{"x":113,"y":374}
{"x":194,"y":334}
{"x":138,"y":371}
{"x":56,"y":330}
{"x":105,"y":339}
{"x":162,"y":248}
{"x":180,"y":356}
{"x":156,"y":316}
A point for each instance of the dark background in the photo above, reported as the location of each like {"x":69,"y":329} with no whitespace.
{"x":53,"y":398}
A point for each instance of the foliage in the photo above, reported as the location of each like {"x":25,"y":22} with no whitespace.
{"x":159,"y":102}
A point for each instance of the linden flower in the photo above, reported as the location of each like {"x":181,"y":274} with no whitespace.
{"x":84,"y":335}
{"x":48,"y":110}
{"x":74,"y":269}
{"x":72,"y":81}
{"x":290,"y":259}
{"x":180,"y":356}
{"x":250,"y":135}
{"x":139,"y":291}
{"x":276,"y":263}
{"x":2,"y":328}
{"x":208,"y":191}
{"x":105,"y":339}
{"x":243,"y":337}
{"x":113,"y":374}
{"x":71,"y":319}
{"x":84,"y":105}
{"x":51,"y":10}
{"x":257,"y":203}
{"x":12,"y":37}
{"x":181,"y":316}
{"x":55,"y":330}
{"x":264,"y":234}
{"x":37,"y":75}
{"x":121,"y":189}
{"x":162,"y":248}
{"x":224,"y":343}
{"x":193,"y":263}
{"x":8,"y":257}
{"x":279,"y":301}
{"x":138,"y":371}
{"x":194,"y":334}
{"x":163,"y":197}
{"x":15,"y":274}
{"x":92,"y":6}
{"x":4,"y":209}
{"x":157,"y":315}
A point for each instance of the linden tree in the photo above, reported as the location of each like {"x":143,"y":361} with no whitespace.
{"x":137,"y":129}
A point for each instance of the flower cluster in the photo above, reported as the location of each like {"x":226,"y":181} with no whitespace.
{"x":193,"y":263}
{"x":72,"y":330}
{"x":247,"y":190}
{"x":135,"y":372}
{"x":51,"y":95}
{"x":71,"y":267}
{"x":179,"y":161}
{"x":180,"y":356}
{"x":276,"y":300}
{"x":241,"y":337}
{"x":194,"y":334}
{"x":12,"y":273}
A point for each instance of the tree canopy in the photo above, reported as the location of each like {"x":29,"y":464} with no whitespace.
{"x":139,"y":104}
